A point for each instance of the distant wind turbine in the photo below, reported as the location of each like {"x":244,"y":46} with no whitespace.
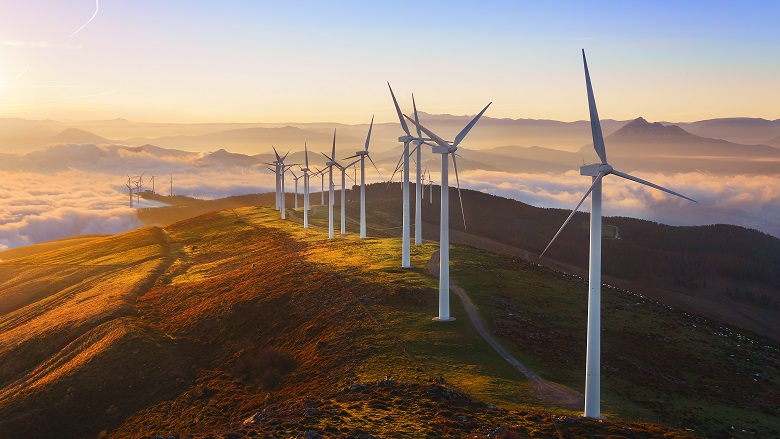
{"x":408,"y":138}
{"x":129,"y":189}
{"x":296,"y":178}
{"x":306,"y":176}
{"x":329,"y":166}
{"x":597,"y":171}
{"x":445,"y":148}
{"x":332,"y":162}
{"x":363,"y":154}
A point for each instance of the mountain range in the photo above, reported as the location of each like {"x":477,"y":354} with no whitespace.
{"x":638,"y":145}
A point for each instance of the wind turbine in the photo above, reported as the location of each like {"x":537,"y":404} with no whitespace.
{"x":129,"y":189}
{"x":430,"y":185}
{"x":597,"y":172}
{"x":332,"y":162}
{"x":329,"y":166}
{"x":363,"y":154}
{"x":408,"y":138}
{"x":296,"y":178}
{"x":305,"y":187}
{"x":417,"y":188}
{"x":444,"y":148}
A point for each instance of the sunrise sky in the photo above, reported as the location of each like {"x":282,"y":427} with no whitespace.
{"x":251,"y":61}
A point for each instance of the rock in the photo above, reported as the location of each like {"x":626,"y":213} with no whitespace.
{"x":274,"y":422}
{"x":311,"y":412}
{"x":311,"y":434}
{"x":254,"y":419}
{"x":461,"y":418}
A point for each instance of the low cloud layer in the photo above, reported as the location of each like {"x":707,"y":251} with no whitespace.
{"x":749,"y":201}
{"x":80,"y":189}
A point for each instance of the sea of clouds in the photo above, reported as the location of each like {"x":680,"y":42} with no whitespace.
{"x":72,"y":190}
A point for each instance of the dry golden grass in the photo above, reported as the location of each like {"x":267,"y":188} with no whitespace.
{"x":187,"y":330}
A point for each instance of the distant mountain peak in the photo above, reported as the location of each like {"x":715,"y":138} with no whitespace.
{"x":641,"y":129}
{"x":75,"y":135}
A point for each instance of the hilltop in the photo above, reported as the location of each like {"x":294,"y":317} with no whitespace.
{"x":235,"y":315}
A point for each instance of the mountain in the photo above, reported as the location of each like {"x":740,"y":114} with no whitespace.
{"x":773,"y":142}
{"x":743,"y":130}
{"x":644,"y":146}
{"x":229,"y":159}
{"x":75,"y":135}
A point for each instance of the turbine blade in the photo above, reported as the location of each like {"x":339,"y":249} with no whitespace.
{"x":598,"y":179}
{"x":416,"y":119}
{"x":468,"y":127}
{"x":306,"y":150}
{"x":457,"y":180}
{"x":278,"y":159}
{"x":595,"y":124}
{"x":398,"y":110}
{"x":397,"y":168}
{"x":333,"y":154}
{"x":370,"y":127}
{"x":377,"y":169}
{"x":350,"y":157}
{"x":439,"y":141}
{"x":285,"y":156}
{"x":647,"y":183}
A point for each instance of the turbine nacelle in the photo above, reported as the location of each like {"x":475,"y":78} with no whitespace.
{"x":359,"y":153}
{"x":595,"y":169}
{"x":441,"y":150}
{"x":404,"y":139}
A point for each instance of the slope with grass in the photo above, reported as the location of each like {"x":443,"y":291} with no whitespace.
{"x":191,"y":329}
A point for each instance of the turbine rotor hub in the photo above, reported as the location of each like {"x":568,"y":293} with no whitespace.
{"x":606,"y":168}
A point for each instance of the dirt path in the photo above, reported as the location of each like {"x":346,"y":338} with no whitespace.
{"x":541,"y":388}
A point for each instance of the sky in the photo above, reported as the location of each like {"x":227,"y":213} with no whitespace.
{"x":313,"y":61}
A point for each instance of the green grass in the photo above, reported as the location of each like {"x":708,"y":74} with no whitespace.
{"x":658,"y":363}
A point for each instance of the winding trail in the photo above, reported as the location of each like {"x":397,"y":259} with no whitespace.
{"x":545,"y":390}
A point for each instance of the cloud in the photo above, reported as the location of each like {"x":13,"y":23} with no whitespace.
{"x":749,"y":201}
{"x":67,"y":190}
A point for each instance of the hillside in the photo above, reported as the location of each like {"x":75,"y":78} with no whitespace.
{"x":191,"y":329}
{"x":729,"y":273}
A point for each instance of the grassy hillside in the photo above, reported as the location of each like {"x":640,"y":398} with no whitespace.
{"x":725,"y":272}
{"x":191,"y":329}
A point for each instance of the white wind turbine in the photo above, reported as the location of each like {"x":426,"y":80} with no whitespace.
{"x":597,"y":171}
{"x":329,"y":166}
{"x":306,"y":176}
{"x":407,"y":139}
{"x":363,"y":154}
{"x":430,"y":185}
{"x":444,"y":148}
{"x":332,"y":162}
{"x":129,"y":189}
{"x":296,"y":178}
{"x":276,"y":164}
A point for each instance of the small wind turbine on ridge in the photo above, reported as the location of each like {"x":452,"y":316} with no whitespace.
{"x":597,"y":172}
{"x":363,"y":154}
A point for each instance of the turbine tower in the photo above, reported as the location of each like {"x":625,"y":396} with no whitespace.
{"x":296,"y":178}
{"x":408,"y":138}
{"x":329,"y":166}
{"x":306,"y":187}
{"x":417,"y":188}
{"x":597,"y":172}
{"x":363,"y":154}
{"x":444,"y":148}
{"x":332,"y":162}
{"x":129,"y":189}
